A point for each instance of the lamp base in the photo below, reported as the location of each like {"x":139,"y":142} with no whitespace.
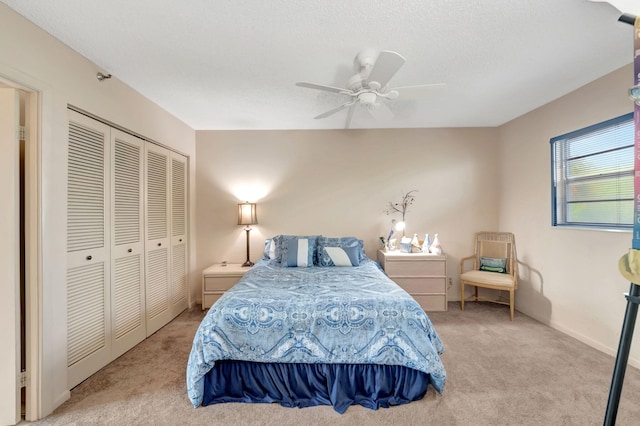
{"x":248,"y":262}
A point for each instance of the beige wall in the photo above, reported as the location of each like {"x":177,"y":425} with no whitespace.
{"x":338,"y":183}
{"x":569,"y":277}
{"x":32,"y":59}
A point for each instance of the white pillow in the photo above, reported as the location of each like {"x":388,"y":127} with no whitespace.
{"x":338,"y":256}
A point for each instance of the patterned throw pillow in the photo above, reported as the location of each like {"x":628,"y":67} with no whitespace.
{"x":282,"y":247}
{"x":492,"y":264}
{"x":269,"y":249}
{"x":340,"y":256}
{"x":299,"y":253}
{"x":344,"y":251}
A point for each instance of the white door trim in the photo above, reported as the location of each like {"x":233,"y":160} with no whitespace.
{"x":33,"y":242}
{"x":10,"y":257}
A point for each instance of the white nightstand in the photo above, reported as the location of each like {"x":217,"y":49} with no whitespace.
{"x":423,"y":276}
{"x":217,"y":279}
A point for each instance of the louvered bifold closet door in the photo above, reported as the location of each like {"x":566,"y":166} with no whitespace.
{"x":127,"y":242}
{"x":179,"y":276}
{"x":157,"y":246}
{"x":88,"y":305}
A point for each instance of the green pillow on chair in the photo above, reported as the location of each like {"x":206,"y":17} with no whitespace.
{"x":492,"y":264}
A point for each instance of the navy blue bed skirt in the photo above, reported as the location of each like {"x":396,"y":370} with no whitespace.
{"x":306,"y":385}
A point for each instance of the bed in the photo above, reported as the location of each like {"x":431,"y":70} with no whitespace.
{"x":315,"y":322}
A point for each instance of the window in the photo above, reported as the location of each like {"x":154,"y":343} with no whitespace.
{"x":592,"y":176}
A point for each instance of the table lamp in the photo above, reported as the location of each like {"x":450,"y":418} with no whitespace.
{"x":247,"y":216}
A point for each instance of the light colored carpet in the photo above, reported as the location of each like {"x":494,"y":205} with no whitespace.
{"x":499,"y":373}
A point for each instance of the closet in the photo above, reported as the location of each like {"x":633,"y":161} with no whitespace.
{"x":165,"y":236}
{"x":126,"y":242}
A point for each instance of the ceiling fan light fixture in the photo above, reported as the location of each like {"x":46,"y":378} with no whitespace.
{"x":367,"y":99}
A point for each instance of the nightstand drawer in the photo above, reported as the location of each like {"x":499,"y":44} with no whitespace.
{"x":419,"y":285}
{"x":220,"y":283}
{"x":217,"y":279}
{"x":403,"y":268}
{"x":436,"y":302}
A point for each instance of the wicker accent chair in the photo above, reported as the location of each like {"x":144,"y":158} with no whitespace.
{"x":497,"y":270}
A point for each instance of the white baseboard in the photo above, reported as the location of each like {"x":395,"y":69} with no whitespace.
{"x":591,"y":342}
{"x":58,"y":401}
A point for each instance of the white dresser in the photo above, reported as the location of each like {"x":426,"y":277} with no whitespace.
{"x":423,"y":276}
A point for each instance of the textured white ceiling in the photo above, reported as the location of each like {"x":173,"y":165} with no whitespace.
{"x":233,"y":64}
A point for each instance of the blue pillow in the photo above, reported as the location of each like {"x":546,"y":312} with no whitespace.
{"x":352,"y":249}
{"x":492,"y":264}
{"x":299,"y":252}
{"x":281,"y":247}
{"x":339,"y":256}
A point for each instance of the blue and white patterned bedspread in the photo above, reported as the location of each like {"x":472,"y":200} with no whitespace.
{"x":345,"y":315}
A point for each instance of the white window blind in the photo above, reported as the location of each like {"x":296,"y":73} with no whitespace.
{"x":592,"y":182}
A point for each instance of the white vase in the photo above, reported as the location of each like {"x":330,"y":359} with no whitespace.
{"x":436,"y":248}
{"x":426,"y":243}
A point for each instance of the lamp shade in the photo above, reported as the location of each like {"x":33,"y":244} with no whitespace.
{"x":247,"y":214}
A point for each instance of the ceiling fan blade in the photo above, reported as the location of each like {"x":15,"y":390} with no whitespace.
{"x":350,"y":115}
{"x":419,"y":91}
{"x":381,"y":112}
{"x":386,"y":66}
{"x":321,"y":87}
{"x":333,"y":111}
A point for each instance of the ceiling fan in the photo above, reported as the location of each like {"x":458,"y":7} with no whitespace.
{"x":368,"y":87}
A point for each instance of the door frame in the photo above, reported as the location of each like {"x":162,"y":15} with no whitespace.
{"x":31,"y":108}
